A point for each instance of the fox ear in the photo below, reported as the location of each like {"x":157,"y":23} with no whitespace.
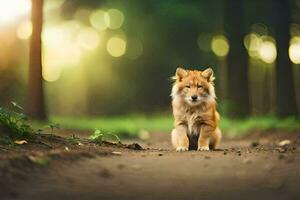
{"x":208,"y":74}
{"x":181,"y":73}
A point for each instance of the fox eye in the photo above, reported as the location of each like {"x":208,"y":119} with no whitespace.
{"x":188,"y":86}
{"x":199,"y":86}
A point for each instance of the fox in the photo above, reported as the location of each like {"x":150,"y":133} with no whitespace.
{"x":196,"y":119}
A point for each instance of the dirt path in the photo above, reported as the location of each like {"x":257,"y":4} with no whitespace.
{"x":243,"y":169}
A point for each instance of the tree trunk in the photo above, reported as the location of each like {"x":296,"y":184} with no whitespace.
{"x":36,"y":105}
{"x":237,"y":60}
{"x":285,"y":89}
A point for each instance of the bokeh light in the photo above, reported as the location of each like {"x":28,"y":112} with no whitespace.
{"x":261,"y":47}
{"x":51,"y":72}
{"x":114,"y":18}
{"x":252,"y":43}
{"x":294,"y":50}
{"x":11,"y":10}
{"x":61,"y":48}
{"x":24,"y":30}
{"x":135,"y":48}
{"x":97,"y":20}
{"x":267,"y":51}
{"x":88,"y":38}
{"x":53,"y":4}
{"x":61,"y":34}
{"x":220,"y":45}
{"x":116,"y":46}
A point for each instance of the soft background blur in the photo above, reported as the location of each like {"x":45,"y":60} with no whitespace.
{"x":114,"y":58}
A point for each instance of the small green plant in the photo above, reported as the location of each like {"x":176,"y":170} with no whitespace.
{"x":39,"y":131}
{"x":53,"y":126}
{"x":98,"y":136}
{"x":13,"y":123}
{"x":73,"y":139}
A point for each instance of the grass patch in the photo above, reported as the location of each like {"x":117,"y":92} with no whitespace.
{"x":130,"y":126}
{"x":238,"y":127}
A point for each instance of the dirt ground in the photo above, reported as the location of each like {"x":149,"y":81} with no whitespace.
{"x":253,"y":167}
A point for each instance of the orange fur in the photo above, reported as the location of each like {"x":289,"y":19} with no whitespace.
{"x":195,"y":110}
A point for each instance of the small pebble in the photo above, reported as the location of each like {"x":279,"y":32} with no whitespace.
{"x":254,"y":144}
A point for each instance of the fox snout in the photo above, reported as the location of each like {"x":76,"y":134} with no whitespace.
{"x":194,"y":97}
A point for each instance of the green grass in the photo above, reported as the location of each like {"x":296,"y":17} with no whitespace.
{"x":129,"y":126}
{"x":238,"y":127}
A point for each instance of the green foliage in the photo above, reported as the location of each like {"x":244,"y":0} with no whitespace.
{"x":53,"y":126}
{"x":5,"y":140}
{"x":14,"y":124}
{"x":238,"y":127}
{"x":98,"y":136}
{"x":73,"y":139}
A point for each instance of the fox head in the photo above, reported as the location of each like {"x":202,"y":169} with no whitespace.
{"x":194,"y":86}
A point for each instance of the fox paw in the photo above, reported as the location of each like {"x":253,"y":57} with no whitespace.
{"x":182,"y":149}
{"x":203,"y":148}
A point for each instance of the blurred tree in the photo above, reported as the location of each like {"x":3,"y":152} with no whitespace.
{"x":237,"y":63}
{"x":285,"y":90}
{"x":36,"y":105}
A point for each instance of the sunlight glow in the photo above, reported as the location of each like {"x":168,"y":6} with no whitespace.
{"x":220,"y":45}
{"x":97,"y":20}
{"x":53,"y":4}
{"x":24,"y":30}
{"x":62,"y":34}
{"x":116,"y":46}
{"x":267,"y":52}
{"x":252,"y":43}
{"x":261,"y":47}
{"x":61,"y":48}
{"x":88,"y":38}
{"x":11,"y":10}
{"x":114,"y":18}
{"x":294,"y":50}
{"x":51,"y":73}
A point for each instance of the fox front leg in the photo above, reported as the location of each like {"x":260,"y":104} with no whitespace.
{"x":203,"y":141}
{"x":180,"y":139}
